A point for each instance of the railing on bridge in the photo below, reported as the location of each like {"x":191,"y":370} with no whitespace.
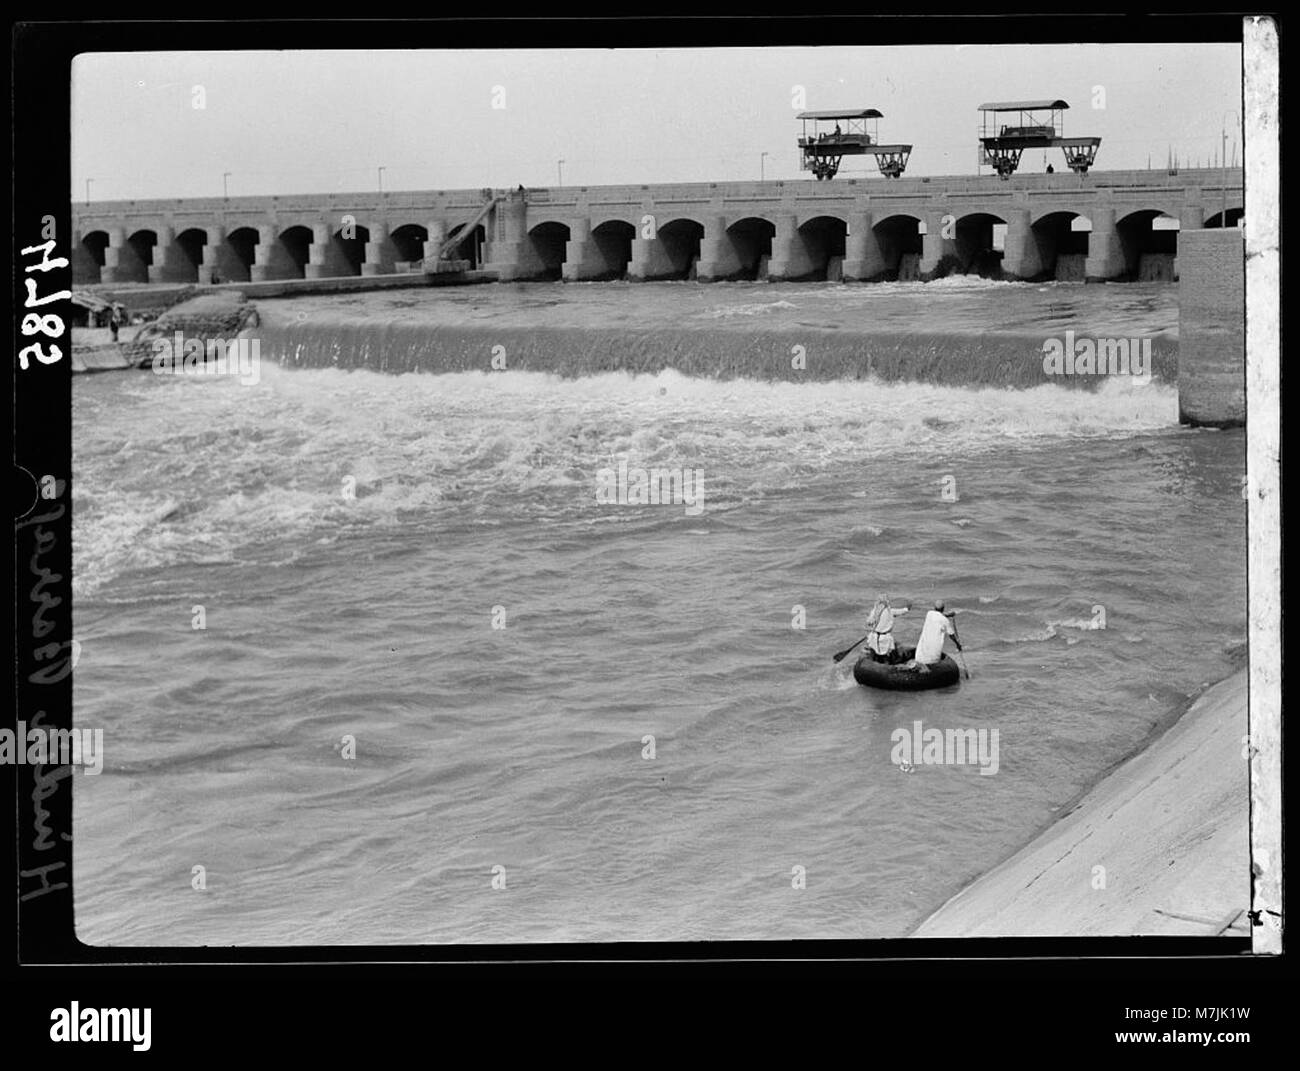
{"x":436,"y":199}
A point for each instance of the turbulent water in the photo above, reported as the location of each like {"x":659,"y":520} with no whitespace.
{"x":355,"y":540}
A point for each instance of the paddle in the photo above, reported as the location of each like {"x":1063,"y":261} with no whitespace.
{"x":844,"y":653}
{"x":960,"y":661}
{"x":841,"y":656}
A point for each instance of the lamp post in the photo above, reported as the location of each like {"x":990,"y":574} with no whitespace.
{"x":762,"y":159}
{"x":1224,"y":217}
{"x":225,"y":186}
{"x":88,"y":182}
{"x":559,"y":172}
{"x":381,"y":182}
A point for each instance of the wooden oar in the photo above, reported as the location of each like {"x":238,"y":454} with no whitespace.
{"x":955,"y":639}
{"x":841,"y":656}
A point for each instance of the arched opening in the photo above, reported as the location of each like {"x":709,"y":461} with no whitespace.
{"x":613,"y":242}
{"x":1234,"y":217}
{"x":289,"y":259}
{"x":235,"y":256}
{"x":95,"y":243}
{"x":88,"y":258}
{"x":350,"y":242}
{"x":824,"y":239}
{"x":548,"y":242}
{"x":142,"y":244}
{"x":137,"y":257}
{"x":751,"y":239}
{"x":899,"y":241}
{"x":679,"y":241}
{"x":980,"y":240}
{"x":408,"y":246}
{"x":190,"y":243}
{"x":1148,"y":249}
{"x":1062,"y":242}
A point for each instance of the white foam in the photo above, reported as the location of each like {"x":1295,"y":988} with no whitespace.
{"x":202,"y":467}
{"x":755,"y":309}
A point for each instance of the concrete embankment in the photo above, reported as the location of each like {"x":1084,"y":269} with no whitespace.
{"x":1158,"y":846}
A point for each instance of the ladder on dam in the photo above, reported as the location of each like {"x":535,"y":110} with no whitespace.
{"x":443,"y":262}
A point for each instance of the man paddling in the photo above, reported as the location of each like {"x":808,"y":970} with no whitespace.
{"x":938,"y":627}
{"x":880,"y":625}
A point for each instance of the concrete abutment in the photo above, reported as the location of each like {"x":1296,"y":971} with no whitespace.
{"x":1212,"y":328}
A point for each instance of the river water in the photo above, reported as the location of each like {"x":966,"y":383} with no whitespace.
{"x":418,"y":568}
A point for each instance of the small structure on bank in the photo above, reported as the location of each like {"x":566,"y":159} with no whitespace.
{"x":98,"y":310}
{"x":208,"y":317}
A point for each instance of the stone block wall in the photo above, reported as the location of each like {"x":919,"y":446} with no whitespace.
{"x":1212,"y":327}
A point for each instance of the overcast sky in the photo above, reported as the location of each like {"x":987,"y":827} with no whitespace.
{"x":315,"y":122}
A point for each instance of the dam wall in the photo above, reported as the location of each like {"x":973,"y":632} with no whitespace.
{"x":853,"y":229}
{"x":1102,"y":226}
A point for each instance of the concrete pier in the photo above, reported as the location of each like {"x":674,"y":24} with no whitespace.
{"x":860,"y":229}
{"x":1212,"y":328}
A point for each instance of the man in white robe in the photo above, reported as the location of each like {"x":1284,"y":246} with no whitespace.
{"x":937,"y":628}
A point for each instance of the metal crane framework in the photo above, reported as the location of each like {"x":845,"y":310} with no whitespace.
{"x":822,"y":151}
{"x":1002,"y":141}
